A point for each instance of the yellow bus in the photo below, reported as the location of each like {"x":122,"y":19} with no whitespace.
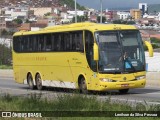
{"x":85,"y":56}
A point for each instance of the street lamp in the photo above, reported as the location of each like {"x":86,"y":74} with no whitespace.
{"x":75,"y":11}
{"x":101,"y":11}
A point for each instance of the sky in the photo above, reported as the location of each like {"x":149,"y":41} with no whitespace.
{"x":115,"y":3}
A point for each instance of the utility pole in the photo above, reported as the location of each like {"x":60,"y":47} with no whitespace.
{"x":101,"y":12}
{"x":75,"y":11}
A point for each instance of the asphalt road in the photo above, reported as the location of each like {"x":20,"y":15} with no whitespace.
{"x":149,"y":94}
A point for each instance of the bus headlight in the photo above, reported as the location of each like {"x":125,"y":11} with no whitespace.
{"x":106,"y":80}
{"x":141,"y":77}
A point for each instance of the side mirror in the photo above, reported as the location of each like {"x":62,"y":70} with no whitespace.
{"x":95,"y":52}
{"x":150,"y":48}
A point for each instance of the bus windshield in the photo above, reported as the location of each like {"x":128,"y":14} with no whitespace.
{"x":120,"y":51}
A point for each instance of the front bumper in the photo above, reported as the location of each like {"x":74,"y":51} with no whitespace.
{"x":104,"y":86}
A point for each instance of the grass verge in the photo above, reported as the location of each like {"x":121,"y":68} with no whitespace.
{"x":68,"y":106}
{"x":5,"y":67}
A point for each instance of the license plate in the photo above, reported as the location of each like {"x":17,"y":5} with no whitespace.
{"x":124,"y":85}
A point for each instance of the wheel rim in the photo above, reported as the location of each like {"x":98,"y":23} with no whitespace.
{"x":39,"y":82}
{"x":83,"y":87}
{"x":30,"y":82}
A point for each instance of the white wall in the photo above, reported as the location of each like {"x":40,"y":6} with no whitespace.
{"x":79,"y":13}
{"x":16,"y":14}
{"x":6,"y":41}
{"x":35,"y":28}
{"x":41,"y":11}
{"x":153,"y":62}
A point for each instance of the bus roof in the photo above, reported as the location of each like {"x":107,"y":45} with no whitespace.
{"x":78,"y":26}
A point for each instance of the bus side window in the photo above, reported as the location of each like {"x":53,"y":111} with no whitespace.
{"x":48,"y":42}
{"x":52,"y":42}
{"x":77,"y":41}
{"x":59,"y":45}
{"x":41,"y":43}
{"x":73,"y":42}
{"x":34,"y":43}
{"x":22,"y":44}
{"x":89,"y":41}
{"x":25,"y":43}
{"x":30,"y":43}
{"x":66,"y":42}
{"x":16,"y":43}
{"x":62,"y":44}
{"x":80,"y":41}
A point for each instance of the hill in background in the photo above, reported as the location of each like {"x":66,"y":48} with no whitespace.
{"x":41,"y":3}
{"x":71,"y":4}
{"x":152,"y":8}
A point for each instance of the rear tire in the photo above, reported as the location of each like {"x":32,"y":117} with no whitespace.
{"x":39,"y":82}
{"x":30,"y":82}
{"x":123,"y":91}
{"x":83,"y":86}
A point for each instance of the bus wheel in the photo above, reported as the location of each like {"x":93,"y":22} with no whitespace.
{"x":30,"y":82}
{"x":123,"y":91}
{"x":39,"y":82}
{"x":83,"y":86}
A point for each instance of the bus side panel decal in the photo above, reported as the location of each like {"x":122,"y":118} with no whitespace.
{"x":53,"y":83}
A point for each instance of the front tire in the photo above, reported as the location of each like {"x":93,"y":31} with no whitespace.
{"x":83,"y":86}
{"x":123,"y":91}
{"x":39,"y":82}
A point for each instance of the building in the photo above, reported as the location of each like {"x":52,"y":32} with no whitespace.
{"x":152,"y":16}
{"x":12,"y":13}
{"x":12,"y":26}
{"x":41,"y":23}
{"x":136,"y":14}
{"x":143,"y":7}
{"x":25,"y":26}
{"x":41,"y":11}
{"x":123,"y":15}
{"x":111,"y":15}
{"x":93,"y":18}
{"x":79,"y":13}
{"x":2,"y":23}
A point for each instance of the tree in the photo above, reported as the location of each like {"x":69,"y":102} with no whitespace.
{"x":103,"y":19}
{"x":18,"y":21}
{"x":5,"y":51}
{"x":131,"y":22}
{"x":47,"y":14}
{"x":4,"y":32}
{"x":117,"y":22}
{"x":123,"y":22}
{"x":27,"y":21}
{"x":5,"y":55}
{"x":80,"y":19}
{"x":70,"y":3}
